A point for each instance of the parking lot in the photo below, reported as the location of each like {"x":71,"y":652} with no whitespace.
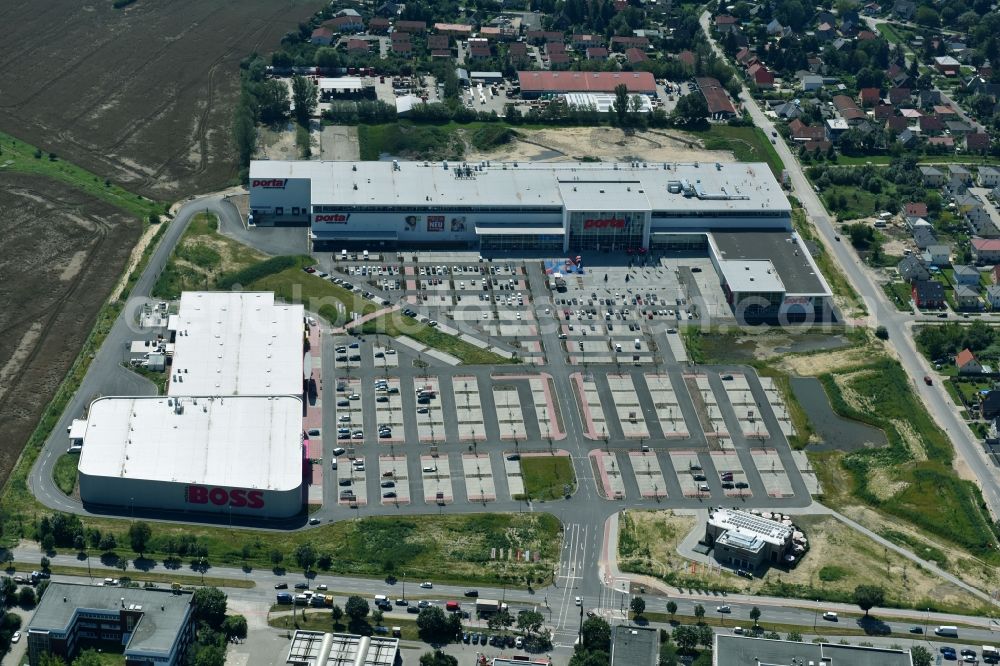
{"x":468,"y":408}
{"x":671,"y":419}
{"x":478,"y":472}
{"x":394,"y":480}
{"x":648,"y":475}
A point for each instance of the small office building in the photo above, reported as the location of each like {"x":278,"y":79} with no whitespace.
{"x":745,"y":540}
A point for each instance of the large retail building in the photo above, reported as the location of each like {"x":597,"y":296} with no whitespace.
{"x":227,"y":437}
{"x":736,"y":213}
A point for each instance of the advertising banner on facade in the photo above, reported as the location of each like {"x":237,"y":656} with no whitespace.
{"x":435,"y":223}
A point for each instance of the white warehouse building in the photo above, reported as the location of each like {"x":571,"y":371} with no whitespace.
{"x":227,"y":437}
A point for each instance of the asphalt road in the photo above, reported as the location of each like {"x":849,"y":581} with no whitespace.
{"x":882,"y":313}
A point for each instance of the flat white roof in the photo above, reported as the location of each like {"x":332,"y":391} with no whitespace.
{"x":341,"y":83}
{"x":236,"y":343}
{"x":726,"y":186}
{"x":236,"y":441}
{"x":603,"y":102}
{"x":751,"y":276}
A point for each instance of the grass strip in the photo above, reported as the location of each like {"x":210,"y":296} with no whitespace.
{"x":64,"y":472}
{"x":545,"y":476}
{"x":137,"y":575}
{"x":395,"y":325}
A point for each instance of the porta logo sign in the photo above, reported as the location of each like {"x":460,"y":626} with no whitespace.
{"x":606,"y":223}
{"x":236,"y":497}
{"x":273,"y":184}
{"x":337,"y":218}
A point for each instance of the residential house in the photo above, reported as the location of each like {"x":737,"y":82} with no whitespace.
{"x":816,"y":65}
{"x":812,"y":82}
{"x":986,"y":250}
{"x":947,"y":65}
{"x":915,"y":209}
{"x":974,"y":213}
{"x":996,"y":274}
{"x":993,"y":296}
{"x":923,"y":236}
{"x":928,"y":294}
{"x":760,"y":75}
{"x":870,"y":96}
{"x":725,"y":23}
{"x":635,"y":56}
{"x":825,"y":32}
{"x":958,"y":127}
{"x":552,"y":48}
{"x":623,"y":42}
{"x":931,"y":125}
{"x":911,"y":269}
{"x":988,"y":177}
{"x":560,"y":60}
{"x":932,"y":176}
{"x":848,"y":109}
{"x":583,"y":42}
{"x":518,"y":52}
{"x":966,"y":275}
{"x":938,"y":255}
{"x":411,"y":26}
{"x":321,"y":37}
{"x":774,"y":28}
{"x":346,"y":23}
{"x":871,"y":9}
{"x":898,"y":95}
{"x":907,"y":138}
{"x":541,"y":37}
{"x":866,"y":36}
{"x":438,"y":42}
{"x":454,"y":29}
{"x":817,"y":146}
{"x":883,"y":112}
{"x":977,"y":142}
{"x":358,"y":47}
{"x":802,"y":132}
{"x":719,"y":105}
{"x":835,"y":127}
{"x":928,"y":98}
{"x":598,"y":53}
{"x":688,"y":58}
{"x":401,"y":44}
{"x":989,"y":406}
{"x":744,"y":56}
{"x":904,"y":9}
{"x":378,"y":25}
{"x":967,"y":363}
{"x":967,"y":298}
{"x":479,"y":51}
{"x":944,"y":142}
{"x":957,"y":171}
{"x":787,"y":110}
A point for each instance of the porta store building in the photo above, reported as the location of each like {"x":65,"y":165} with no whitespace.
{"x":508,"y":205}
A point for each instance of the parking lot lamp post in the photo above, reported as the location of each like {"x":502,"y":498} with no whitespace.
{"x":404,"y":586}
{"x":815,"y":615}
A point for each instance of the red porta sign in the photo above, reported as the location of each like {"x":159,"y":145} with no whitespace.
{"x":336,"y":218}
{"x":273,"y":184}
{"x":606,"y":223}
{"x":236,"y":497}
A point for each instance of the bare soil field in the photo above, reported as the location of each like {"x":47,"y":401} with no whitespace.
{"x":142,"y":95}
{"x":60,"y":256}
{"x":604,"y":143}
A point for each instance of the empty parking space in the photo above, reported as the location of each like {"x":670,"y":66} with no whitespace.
{"x":510,"y":418}
{"x":468,"y":409}
{"x":393,"y":480}
{"x":648,"y":475}
{"x":777,"y":405}
{"x":389,"y":411}
{"x":430,"y":415}
{"x":479,"y":477}
{"x":772,"y":472}
{"x":594,"y":423}
{"x":384,"y":357}
{"x":608,"y":473}
{"x":550,"y":423}
{"x":731,"y":475}
{"x":515,"y":481}
{"x":668,"y":412}
{"x":349,"y":412}
{"x":690,"y":474}
{"x":352,"y":486}
{"x":747,"y":410}
{"x":626,"y":403}
{"x":436,"y":477}
{"x":706,"y":405}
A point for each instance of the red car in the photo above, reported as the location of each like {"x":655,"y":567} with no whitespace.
{"x":928,"y":380}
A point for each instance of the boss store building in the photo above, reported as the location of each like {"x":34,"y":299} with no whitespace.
{"x":562,"y":206}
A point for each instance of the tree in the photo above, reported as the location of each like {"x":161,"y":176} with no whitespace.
{"x":49,"y":659}
{"x":88,"y":658}
{"x":691,"y":109}
{"x":705,"y":635}
{"x":596,"y":634}
{"x":48,"y":543}
{"x":686,"y":637}
{"x":8,"y":588}
{"x":336,"y":613}
{"x":755,"y":615}
{"x":45,"y":563}
{"x":277,"y":557}
{"x":235,"y":627}
{"x":437,"y":658}
{"x":882,"y":333}
{"x":108,"y":543}
{"x":672,"y":609}
{"x":530,"y":621}
{"x":638,"y":605}
{"x":378,"y":616}
{"x":304,"y":96}
{"x":794,"y":636}
{"x":209,"y":604}
{"x":699,"y":612}
{"x":868,"y":596}
{"x":433,"y":624}
{"x":210,"y":655}
{"x":921,"y":656}
{"x":26,"y":597}
{"x":305,"y":555}
{"x":621,"y":103}
{"x":138,"y":536}
{"x":272,"y":100}
{"x":357,"y":608}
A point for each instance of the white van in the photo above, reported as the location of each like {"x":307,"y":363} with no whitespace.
{"x":830,"y":615}
{"x":638,"y":343}
{"x":343,"y":255}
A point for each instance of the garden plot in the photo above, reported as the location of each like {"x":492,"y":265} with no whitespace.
{"x":708,"y":407}
{"x":515,"y":481}
{"x":469,"y":409}
{"x":392,"y":469}
{"x":348,"y":470}
{"x":772,"y":472}
{"x":608,"y":473}
{"x":661,"y":391}
{"x":686,"y":467}
{"x":745,"y":406}
{"x":510,"y":419}
{"x":627,"y":406}
{"x":594,"y":423}
{"x":478,"y":471}
{"x":430,"y":414}
{"x":436,"y":474}
{"x":648,"y":475}
{"x":389,"y":411}
{"x":778,"y":406}
{"x":384,"y":357}
{"x":550,"y":424}
{"x":730,"y":469}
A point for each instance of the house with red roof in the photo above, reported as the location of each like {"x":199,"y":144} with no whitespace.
{"x":358,"y":46}
{"x":931,"y":125}
{"x":598,"y":53}
{"x":986,"y":251}
{"x":802,"y":132}
{"x":899,"y":96}
{"x":977,"y":142}
{"x":411,"y":26}
{"x":634,"y":56}
{"x":760,"y":75}
{"x":725,"y":23}
{"x":967,"y":363}
{"x":378,"y":25}
{"x":870,"y":96}
{"x":688,"y":58}
{"x":321,"y":36}
{"x":915,"y":209}
{"x":345,"y":23}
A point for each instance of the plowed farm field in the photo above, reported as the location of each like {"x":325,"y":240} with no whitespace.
{"x":142,"y":95}
{"x":61,"y":253}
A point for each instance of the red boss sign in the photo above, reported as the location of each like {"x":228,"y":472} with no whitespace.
{"x":607,"y":223}
{"x":237,"y":497}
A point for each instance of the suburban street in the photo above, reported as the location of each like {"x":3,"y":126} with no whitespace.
{"x":880,"y":311}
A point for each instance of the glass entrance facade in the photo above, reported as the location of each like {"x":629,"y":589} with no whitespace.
{"x":606,"y":230}
{"x":521,"y":242}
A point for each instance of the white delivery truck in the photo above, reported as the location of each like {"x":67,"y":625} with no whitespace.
{"x":947,"y":630}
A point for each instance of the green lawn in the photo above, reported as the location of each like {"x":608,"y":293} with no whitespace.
{"x":319,"y":619}
{"x":891,"y":34}
{"x":20,"y":156}
{"x":64,"y":473}
{"x":136,"y":576}
{"x":748,"y":144}
{"x":545,"y":476}
{"x":396,"y":324}
{"x":899,"y":293}
{"x":330,"y":301}
{"x":409,"y":140}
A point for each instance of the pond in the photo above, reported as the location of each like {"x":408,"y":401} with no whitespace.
{"x":834,"y":432}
